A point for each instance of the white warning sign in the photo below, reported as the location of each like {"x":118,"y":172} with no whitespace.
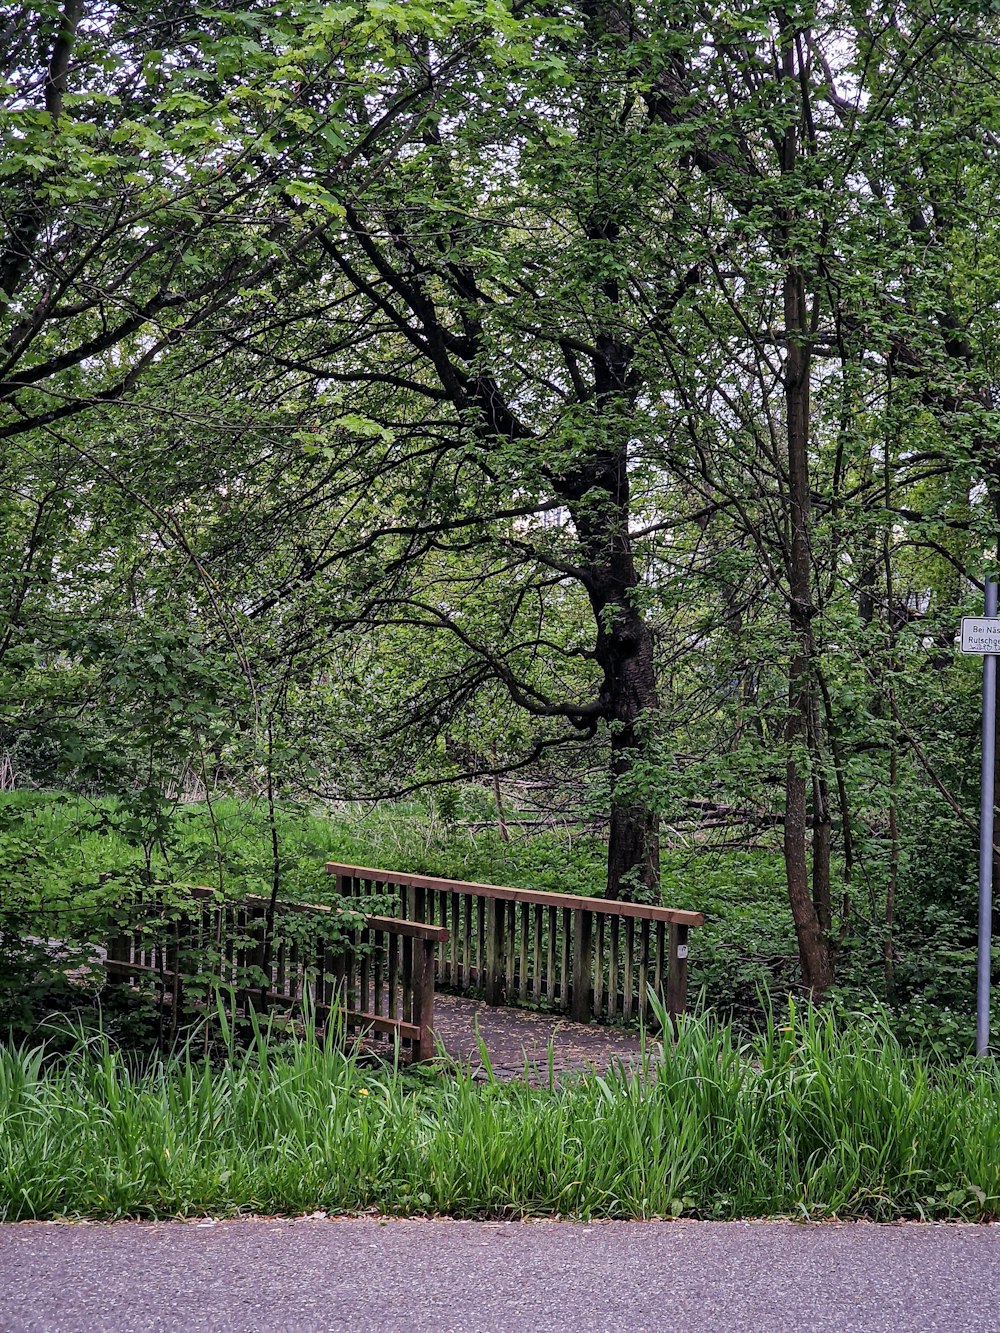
{"x":981,"y":634}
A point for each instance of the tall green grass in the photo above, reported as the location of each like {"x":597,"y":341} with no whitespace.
{"x":808,"y":1120}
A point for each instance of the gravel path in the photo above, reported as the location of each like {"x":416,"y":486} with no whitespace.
{"x":518,"y":1037}
{"x":366,"y":1276}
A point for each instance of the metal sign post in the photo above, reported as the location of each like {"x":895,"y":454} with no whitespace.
{"x":982,"y":636}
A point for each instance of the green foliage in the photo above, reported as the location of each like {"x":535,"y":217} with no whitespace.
{"x":74,"y":871}
{"x":318,"y":448}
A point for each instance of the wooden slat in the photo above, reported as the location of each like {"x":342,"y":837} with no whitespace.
{"x":550,"y":960}
{"x":423,"y":997}
{"x":294,"y":972}
{"x":365,"y":971}
{"x":510,"y":953}
{"x":410,"y":929}
{"x":614,"y":1006}
{"x":453,"y":908}
{"x":409,"y":1031}
{"x":400,"y":925}
{"x":627,"y":1003}
{"x":228,"y":935}
{"x":658,"y":966}
{"x":378,"y":971}
{"x":643,"y":967}
{"x":523,"y":955}
{"x":536,"y":956}
{"x":582,"y":956}
{"x":122,"y":967}
{"x":482,"y":909}
{"x":444,"y":963}
{"x":564,"y":978}
{"x":394,"y":942}
{"x":379,"y":1022}
{"x":280,"y":984}
{"x":677,"y":974}
{"x":406,"y":943}
{"x":599,"y":966}
{"x":324,"y":988}
{"x":493,"y":987}
{"x":467,"y":907}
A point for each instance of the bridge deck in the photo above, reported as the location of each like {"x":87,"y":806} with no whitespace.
{"x":514,"y":1037}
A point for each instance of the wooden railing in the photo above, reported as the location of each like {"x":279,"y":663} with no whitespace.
{"x":381,"y":977}
{"x":587,"y":957}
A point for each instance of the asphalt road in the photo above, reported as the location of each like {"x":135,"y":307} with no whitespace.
{"x":363,"y":1274}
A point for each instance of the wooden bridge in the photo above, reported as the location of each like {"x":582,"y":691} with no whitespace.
{"x":586,"y":958}
{"x":589,"y":958}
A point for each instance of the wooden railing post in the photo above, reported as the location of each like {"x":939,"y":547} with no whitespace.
{"x":494,"y":988}
{"x":172,"y":961}
{"x":407,"y":952}
{"x":119,"y":951}
{"x":423,"y":997}
{"x":582,"y":962}
{"x":677,"y":969}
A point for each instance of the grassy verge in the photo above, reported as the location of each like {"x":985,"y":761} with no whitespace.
{"x":808,"y":1119}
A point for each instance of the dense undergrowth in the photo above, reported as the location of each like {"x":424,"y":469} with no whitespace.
{"x":810,"y":1118}
{"x":89,"y":851}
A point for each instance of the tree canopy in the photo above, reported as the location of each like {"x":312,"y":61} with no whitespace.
{"x":396,"y":392}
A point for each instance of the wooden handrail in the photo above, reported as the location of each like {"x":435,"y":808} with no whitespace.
{"x":394,"y":984}
{"x":395,"y":925}
{"x":418,"y":930}
{"x":536,"y":897}
{"x":586,"y":957}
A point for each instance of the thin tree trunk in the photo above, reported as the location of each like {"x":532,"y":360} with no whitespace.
{"x":888,"y":954}
{"x":814,"y":953}
{"x":267,"y":944}
{"x":822,"y":841}
{"x":498,"y":798}
{"x":814,"y":950}
{"x":843,"y":801}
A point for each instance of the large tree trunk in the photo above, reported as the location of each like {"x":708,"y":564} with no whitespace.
{"x":597,"y":492}
{"x":598,"y":495}
{"x":633,"y":840}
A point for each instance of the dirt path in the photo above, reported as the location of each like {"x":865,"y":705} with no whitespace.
{"x":518,"y":1037}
